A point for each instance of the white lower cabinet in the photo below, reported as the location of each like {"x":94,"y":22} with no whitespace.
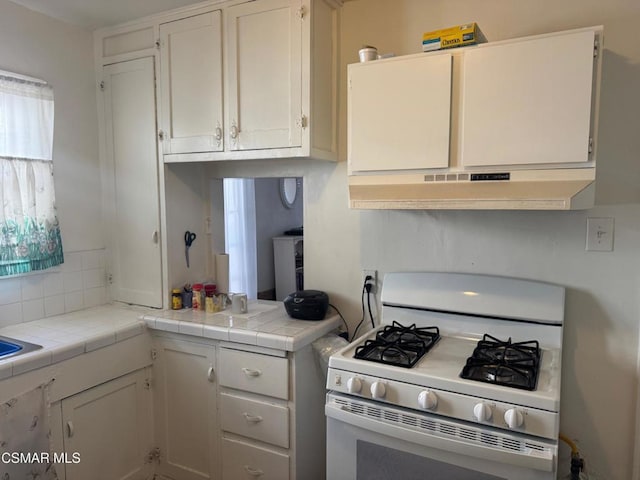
{"x":109,"y":427}
{"x":254,"y":407}
{"x":231,"y":411}
{"x":185,"y":409}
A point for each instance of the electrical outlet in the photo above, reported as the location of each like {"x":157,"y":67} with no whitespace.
{"x":374,"y":278}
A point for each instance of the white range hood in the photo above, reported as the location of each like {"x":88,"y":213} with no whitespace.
{"x":568,"y":189}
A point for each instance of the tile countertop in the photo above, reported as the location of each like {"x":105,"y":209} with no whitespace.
{"x":65,"y":336}
{"x":266,"y":324}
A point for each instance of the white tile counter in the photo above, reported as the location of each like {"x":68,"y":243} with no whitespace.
{"x":265,"y":325}
{"x":65,"y":336}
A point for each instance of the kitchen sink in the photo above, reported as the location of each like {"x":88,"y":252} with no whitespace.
{"x":11,"y":347}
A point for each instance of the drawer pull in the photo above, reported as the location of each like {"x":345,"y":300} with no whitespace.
{"x":210,"y":373}
{"x":254,"y":472}
{"x":250,"y":372}
{"x":252,"y":418}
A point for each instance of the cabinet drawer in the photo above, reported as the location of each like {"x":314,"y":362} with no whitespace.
{"x":254,"y":372}
{"x":241,"y":461}
{"x":258,"y":420}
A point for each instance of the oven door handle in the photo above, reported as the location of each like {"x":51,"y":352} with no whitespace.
{"x":543,"y":461}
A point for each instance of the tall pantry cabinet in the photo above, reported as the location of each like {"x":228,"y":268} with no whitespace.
{"x":131,"y":181}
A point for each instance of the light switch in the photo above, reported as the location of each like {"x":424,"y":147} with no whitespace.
{"x":600,"y":234}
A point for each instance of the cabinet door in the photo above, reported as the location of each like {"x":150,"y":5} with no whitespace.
{"x":133,"y":210}
{"x":264,"y":81}
{"x":398,"y":113}
{"x":109,"y":427}
{"x":186,"y":410}
{"x":191,"y":88}
{"x":528,"y":102}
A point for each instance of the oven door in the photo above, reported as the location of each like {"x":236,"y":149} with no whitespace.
{"x":369,"y":441}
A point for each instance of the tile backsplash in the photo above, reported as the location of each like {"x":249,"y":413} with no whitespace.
{"x":80,"y":282}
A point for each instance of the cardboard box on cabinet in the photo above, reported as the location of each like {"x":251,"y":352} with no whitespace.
{"x":458,"y":36}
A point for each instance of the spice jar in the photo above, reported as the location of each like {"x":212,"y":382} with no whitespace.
{"x":196,"y":302}
{"x":176,"y":299}
{"x":210,"y":293}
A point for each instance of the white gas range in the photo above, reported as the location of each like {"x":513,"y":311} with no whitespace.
{"x":461,"y":380}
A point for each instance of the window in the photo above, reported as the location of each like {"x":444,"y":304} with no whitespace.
{"x":29,"y":230}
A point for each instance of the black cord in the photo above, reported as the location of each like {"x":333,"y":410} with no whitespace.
{"x":355,"y":333}
{"x":369,"y":305}
{"x":343,"y":320}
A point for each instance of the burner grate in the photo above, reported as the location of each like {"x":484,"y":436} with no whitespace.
{"x":504,"y":363}
{"x":399,"y":345}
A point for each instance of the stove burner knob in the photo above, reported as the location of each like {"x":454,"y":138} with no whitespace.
{"x":427,"y":400}
{"x":378,"y":390}
{"x":513,"y":418}
{"x":482,"y":412}
{"x":354,"y":385}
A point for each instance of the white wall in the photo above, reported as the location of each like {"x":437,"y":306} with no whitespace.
{"x":601,"y":336}
{"x":61,"y":54}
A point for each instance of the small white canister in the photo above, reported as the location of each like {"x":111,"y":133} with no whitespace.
{"x":368,"y":53}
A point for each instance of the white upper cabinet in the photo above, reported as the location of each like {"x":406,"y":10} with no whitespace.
{"x":522,"y":102}
{"x":191,"y":84}
{"x":239,"y":79}
{"x":399,"y":112}
{"x":528,"y":102}
{"x":253,"y":80}
{"x":264,"y":74}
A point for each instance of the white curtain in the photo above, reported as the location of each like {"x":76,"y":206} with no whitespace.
{"x":240,"y":235}
{"x":29,"y":229}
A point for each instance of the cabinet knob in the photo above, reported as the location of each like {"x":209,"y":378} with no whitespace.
{"x":218,"y":134}
{"x":161,"y":135}
{"x":210,"y":373}
{"x":154,"y":236}
{"x":234,"y":131}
